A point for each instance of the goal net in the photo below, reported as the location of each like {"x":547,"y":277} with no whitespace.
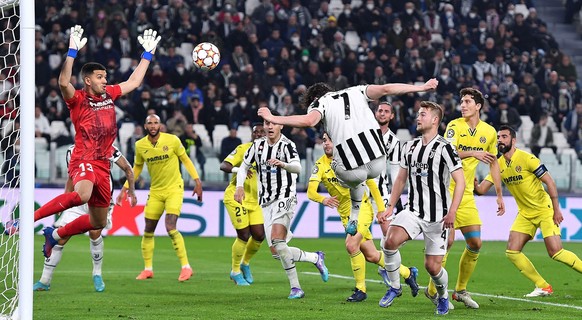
{"x":9,"y":155}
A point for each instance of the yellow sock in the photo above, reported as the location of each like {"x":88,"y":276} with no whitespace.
{"x":431,"y":287}
{"x":569,"y":258}
{"x":466,"y":267}
{"x":381,"y":261}
{"x":404,"y":271}
{"x":359,"y":269}
{"x":179,"y":247}
{"x":524,"y":265}
{"x":252,"y":247}
{"x":147,"y":249}
{"x":238,"y":249}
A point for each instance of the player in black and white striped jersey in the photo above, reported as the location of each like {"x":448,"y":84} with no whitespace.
{"x":278,"y":164}
{"x":428,"y":163}
{"x":359,"y":153}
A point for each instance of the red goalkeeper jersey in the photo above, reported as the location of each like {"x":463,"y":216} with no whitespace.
{"x":95,"y":123}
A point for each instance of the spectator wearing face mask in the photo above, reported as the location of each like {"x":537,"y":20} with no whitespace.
{"x":107,"y":52}
{"x":243,"y":113}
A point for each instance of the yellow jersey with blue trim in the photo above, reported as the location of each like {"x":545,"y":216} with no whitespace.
{"x":521,"y":174}
{"x":464,"y":138}
{"x":162,"y":160}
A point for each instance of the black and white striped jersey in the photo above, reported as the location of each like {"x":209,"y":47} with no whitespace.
{"x":351,"y":125}
{"x":384,"y":180}
{"x":274,"y":183}
{"x":429,"y":175}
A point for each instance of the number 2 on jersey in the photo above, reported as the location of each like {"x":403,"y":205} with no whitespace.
{"x":346,"y":103}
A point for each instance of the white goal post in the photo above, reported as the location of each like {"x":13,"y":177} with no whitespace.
{"x":17,"y":101}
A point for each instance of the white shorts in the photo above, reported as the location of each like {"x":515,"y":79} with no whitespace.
{"x":279,"y":212}
{"x":354,"y":177}
{"x":435,"y":238}
{"x":75,"y":212}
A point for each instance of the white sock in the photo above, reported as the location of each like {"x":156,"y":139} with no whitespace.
{"x":50,"y":264}
{"x":97,"y":255}
{"x":56,"y":234}
{"x":287,"y":262}
{"x":441,"y":281}
{"x":356,"y":195}
{"x":392,"y":261}
{"x":303,"y":256}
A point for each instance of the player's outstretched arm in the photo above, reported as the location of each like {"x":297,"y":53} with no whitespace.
{"x":124,"y":165}
{"x":376,"y":195}
{"x":149,"y":41}
{"x":76,"y":43}
{"x":194,"y":174}
{"x":313,"y":195}
{"x":241,"y":175}
{"x":376,"y":92}
{"x":298,"y":121}
{"x":482,"y":188}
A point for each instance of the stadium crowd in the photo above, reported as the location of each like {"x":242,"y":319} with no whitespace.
{"x":271,"y":51}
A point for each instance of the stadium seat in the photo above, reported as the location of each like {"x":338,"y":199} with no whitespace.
{"x":125,"y":132}
{"x":124,"y":64}
{"x":220,"y":132}
{"x":42,"y":162}
{"x":245,"y":133}
{"x":61,"y":160}
{"x":560,"y":176}
{"x":212,"y":170}
{"x":552,"y":124}
{"x":58,"y":128}
{"x":548,"y":157}
{"x":200,"y":130}
{"x":40,"y":143}
{"x":404,"y":135}
{"x":560,"y":140}
{"x":352,"y":39}
{"x":317,"y":151}
{"x":578,"y":174}
{"x":185,"y":50}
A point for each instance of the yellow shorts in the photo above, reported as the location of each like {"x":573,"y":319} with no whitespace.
{"x":543,"y":221}
{"x":467,"y":214}
{"x":244,"y":215}
{"x":158,"y":201}
{"x":364,"y":220}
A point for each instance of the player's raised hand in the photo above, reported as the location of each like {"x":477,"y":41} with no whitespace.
{"x":431,"y":84}
{"x":265,"y":113}
{"x":149,"y":40}
{"x":76,"y":40}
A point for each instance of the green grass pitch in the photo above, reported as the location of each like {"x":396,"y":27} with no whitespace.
{"x":496,"y":285}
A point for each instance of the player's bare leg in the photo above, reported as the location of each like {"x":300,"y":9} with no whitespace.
{"x":178,"y":244}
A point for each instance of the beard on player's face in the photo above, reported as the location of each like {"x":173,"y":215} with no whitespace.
{"x":383,"y":123}
{"x":153,"y":131}
{"x":504,"y":148}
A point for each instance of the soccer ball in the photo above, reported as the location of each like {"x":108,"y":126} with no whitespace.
{"x":205,"y":56}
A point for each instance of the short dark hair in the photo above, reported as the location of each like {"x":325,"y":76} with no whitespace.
{"x":475,"y":94}
{"x":510,"y":129}
{"x":314,"y":92}
{"x":383,"y":100}
{"x":89,"y":67}
{"x":434,"y":107}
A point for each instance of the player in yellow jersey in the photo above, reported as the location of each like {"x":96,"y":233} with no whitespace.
{"x":247,"y":218}
{"x":162,"y":153}
{"x":523,"y":175}
{"x":475,"y":141}
{"x":360,"y":246}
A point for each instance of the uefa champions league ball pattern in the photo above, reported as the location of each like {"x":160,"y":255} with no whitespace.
{"x":206,"y":56}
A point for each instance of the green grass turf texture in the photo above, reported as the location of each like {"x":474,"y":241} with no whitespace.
{"x":210,"y":294}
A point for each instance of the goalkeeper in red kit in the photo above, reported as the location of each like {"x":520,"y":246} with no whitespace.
{"x":93,"y":115}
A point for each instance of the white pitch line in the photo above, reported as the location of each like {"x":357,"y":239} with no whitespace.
{"x":472,"y":293}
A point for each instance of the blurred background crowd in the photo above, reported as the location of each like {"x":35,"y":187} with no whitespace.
{"x":271,"y":51}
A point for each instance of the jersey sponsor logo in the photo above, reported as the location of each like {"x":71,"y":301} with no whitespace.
{"x":513,"y":179}
{"x":158,"y":158}
{"x":101,"y":105}
{"x":450,"y":133}
{"x":421,"y":169}
{"x":483,"y":140}
{"x":469,"y":148}
{"x":333,"y":180}
{"x":463,"y":135}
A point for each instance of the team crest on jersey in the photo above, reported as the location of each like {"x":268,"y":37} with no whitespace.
{"x":165,"y":148}
{"x":450,"y":133}
{"x":483,"y":140}
{"x":431,"y":154}
{"x":518,"y":169}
